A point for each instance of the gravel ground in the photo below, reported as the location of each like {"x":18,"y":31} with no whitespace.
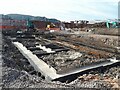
{"x":21,"y":79}
{"x":65,"y":61}
{"x":15,"y":76}
{"x":110,"y":78}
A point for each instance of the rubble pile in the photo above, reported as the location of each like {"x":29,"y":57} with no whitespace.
{"x":106,"y":31}
{"x":18,"y":73}
{"x":65,"y":61}
{"x":108,"y":79}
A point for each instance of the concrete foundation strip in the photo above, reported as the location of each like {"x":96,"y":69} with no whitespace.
{"x":49,"y":72}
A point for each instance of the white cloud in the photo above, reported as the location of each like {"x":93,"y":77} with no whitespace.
{"x":61,"y":9}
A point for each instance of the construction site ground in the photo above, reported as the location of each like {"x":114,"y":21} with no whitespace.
{"x":72,"y":50}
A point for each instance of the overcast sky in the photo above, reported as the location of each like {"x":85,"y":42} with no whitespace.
{"x":64,"y":10}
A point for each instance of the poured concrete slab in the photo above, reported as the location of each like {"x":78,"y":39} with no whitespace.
{"x":39,"y":65}
{"x":48,"y":71}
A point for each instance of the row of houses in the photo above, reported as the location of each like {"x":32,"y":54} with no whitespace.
{"x":7,"y":23}
{"x":11,"y":24}
{"x":85,"y":23}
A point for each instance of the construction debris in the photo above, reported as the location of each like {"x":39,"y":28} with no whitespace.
{"x":64,"y":52}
